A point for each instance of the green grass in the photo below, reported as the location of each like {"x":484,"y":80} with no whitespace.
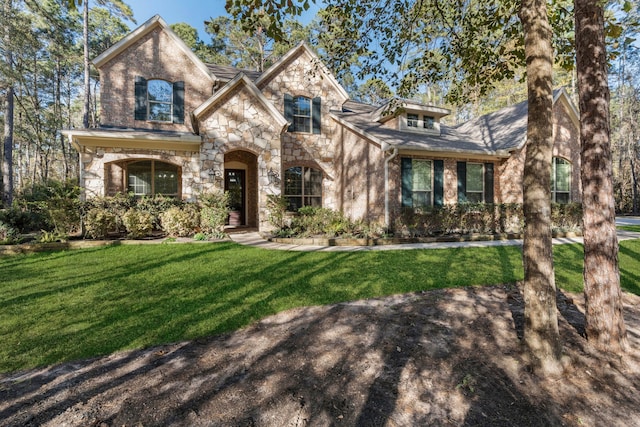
{"x":634,"y":228}
{"x":69,"y":305}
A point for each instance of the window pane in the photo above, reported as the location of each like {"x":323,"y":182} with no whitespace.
{"x":302,"y":106}
{"x":316,"y":202}
{"x":140,"y":178}
{"x":421,"y":199}
{"x":428,"y":122}
{"x":562,"y":198}
{"x":475,"y":179}
{"x":159,"y":112}
{"x":166,"y":179}
{"x":159,"y":90}
{"x":473,"y":197}
{"x":563,"y":175}
{"x":313,"y":187}
{"x":293,"y":182}
{"x":302,"y":124}
{"x":295,"y":203}
{"x":421,"y":175}
{"x":412,"y":120}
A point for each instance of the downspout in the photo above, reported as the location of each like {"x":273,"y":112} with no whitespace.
{"x":394,"y":154}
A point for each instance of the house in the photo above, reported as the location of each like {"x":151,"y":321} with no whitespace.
{"x":172,"y":125}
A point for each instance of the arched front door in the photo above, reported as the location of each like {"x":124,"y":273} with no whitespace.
{"x":241,"y":181}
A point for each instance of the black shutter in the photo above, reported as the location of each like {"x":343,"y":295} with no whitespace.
{"x":407,"y":182}
{"x":141,"y":98}
{"x":438,"y":183}
{"x":462,"y":182}
{"x":178,"y":102}
{"x":288,"y":111}
{"x":316,"y":115}
{"x":488,"y":183}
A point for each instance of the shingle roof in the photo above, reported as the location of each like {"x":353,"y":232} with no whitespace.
{"x":226,"y":73}
{"x":494,"y":134}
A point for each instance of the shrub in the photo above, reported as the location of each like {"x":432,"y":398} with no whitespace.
{"x":117,"y":205}
{"x":99,"y":222}
{"x":8,"y":234}
{"x":277,"y":206}
{"x":52,"y":205}
{"x":23,"y":221}
{"x":181,"y":221}
{"x":155,"y":206}
{"x":213,"y":213}
{"x":138,"y":223}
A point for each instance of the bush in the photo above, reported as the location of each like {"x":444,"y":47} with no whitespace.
{"x":213,"y":213}
{"x":117,"y":205}
{"x":23,"y":221}
{"x":8,"y":234}
{"x":155,"y":206}
{"x":99,"y":222}
{"x":52,"y":205}
{"x":138,"y":223}
{"x":277,"y":206}
{"x":315,"y":221}
{"x":181,"y":221}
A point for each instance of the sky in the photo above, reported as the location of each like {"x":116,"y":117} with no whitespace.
{"x":193,"y":12}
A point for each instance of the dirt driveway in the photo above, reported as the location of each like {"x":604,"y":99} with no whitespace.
{"x":440,"y":358}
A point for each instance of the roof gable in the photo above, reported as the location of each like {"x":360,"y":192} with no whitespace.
{"x":155,"y":22}
{"x":302,"y":49}
{"x":240,"y":80}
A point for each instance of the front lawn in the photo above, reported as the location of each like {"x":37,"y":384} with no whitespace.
{"x":69,"y":305}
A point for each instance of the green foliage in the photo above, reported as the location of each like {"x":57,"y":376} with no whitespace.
{"x":99,"y":222}
{"x":156,"y":205}
{"x":200,"y":236}
{"x":480,"y":218}
{"x":21,"y":219}
{"x":8,"y":234}
{"x":51,"y":236}
{"x":315,"y":221}
{"x":213,"y":213}
{"x":51,"y":205}
{"x":181,"y":221}
{"x":138,"y":223}
{"x":277,"y":207}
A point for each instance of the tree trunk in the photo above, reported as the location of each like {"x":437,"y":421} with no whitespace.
{"x":87,"y":87}
{"x":7,"y":154}
{"x":541,"y":336}
{"x":605,"y":326}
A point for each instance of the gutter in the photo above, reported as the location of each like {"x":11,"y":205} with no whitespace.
{"x":394,"y":154}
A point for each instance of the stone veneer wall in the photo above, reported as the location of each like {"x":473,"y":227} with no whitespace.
{"x":96,"y":171}
{"x":301,"y":77}
{"x":240,"y":122}
{"x":154,"y":56}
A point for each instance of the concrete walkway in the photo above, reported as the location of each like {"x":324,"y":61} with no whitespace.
{"x":254,"y":239}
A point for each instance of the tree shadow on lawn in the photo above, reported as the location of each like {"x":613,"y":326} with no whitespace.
{"x":444,"y":357}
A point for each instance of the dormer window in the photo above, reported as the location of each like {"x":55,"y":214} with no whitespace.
{"x":159,"y":100}
{"x":428,"y":122}
{"x":303,"y":113}
{"x":412,"y":120}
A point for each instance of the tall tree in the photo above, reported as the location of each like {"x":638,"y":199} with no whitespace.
{"x":541,"y":335}
{"x":605,"y":326}
{"x":7,"y":152}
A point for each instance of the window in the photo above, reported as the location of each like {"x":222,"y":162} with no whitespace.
{"x":475,"y":182}
{"x":422,"y":182}
{"x":303,"y":187}
{"x":412,"y":120}
{"x":428,"y":122}
{"x":150,"y":177}
{"x":561,"y":181}
{"x":303,"y":113}
{"x":159,"y":100}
